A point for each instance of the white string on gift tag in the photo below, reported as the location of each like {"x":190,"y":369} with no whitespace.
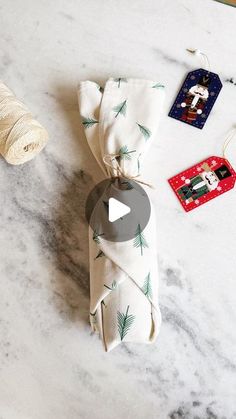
{"x":205,"y":59}
{"x":228,"y":140}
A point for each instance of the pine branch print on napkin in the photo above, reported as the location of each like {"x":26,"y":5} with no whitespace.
{"x":158,"y":86}
{"x":120,"y":109}
{"x":88,"y":122}
{"x":147,"y":286}
{"x":96,"y":236}
{"x":144,"y":131}
{"x":103,"y":303}
{"x":125,"y":322}
{"x":120,"y":80}
{"x":112,"y":287}
{"x":99,"y":255}
{"x":138,"y":163}
{"x":128,"y":115}
{"x":124,"y":153}
{"x":139,"y":240}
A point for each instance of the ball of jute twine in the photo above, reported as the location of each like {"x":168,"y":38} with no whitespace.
{"x":21,"y":136}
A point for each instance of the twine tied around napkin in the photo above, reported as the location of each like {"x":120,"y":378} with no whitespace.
{"x":108,"y":159}
{"x":120,"y":123}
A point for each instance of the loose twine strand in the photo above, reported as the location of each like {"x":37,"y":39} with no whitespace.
{"x":21,"y":136}
{"x":110,"y":159}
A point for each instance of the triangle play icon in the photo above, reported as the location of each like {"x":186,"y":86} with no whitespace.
{"x":116,"y":209}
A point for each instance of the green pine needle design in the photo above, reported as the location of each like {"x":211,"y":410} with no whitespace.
{"x":99,"y":255}
{"x":88,"y":122}
{"x":125,"y":322}
{"x":120,"y":109}
{"x":113,"y":286}
{"x":144,"y":131}
{"x":158,"y":86}
{"x":96,"y":236}
{"x":138,"y":163}
{"x":124,"y":153}
{"x":139,"y":240}
{"x":120,"y":80}
{"x":147,"y":286}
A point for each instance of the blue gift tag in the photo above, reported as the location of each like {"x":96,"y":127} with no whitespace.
{"x":196,"y":97}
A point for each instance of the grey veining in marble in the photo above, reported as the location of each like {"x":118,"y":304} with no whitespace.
{"x":51,"y":366}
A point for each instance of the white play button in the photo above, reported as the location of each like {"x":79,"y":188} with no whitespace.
{"x":116,"y":209}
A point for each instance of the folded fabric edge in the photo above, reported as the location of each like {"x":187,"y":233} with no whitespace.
{"x":98,"y":327}
{"x":84,"y":84}
{"x":112,"y":80}
{"x":153,"y":337}
{"x":138,"y":81}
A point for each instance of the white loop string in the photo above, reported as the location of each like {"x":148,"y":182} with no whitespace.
{"x":228,"y":140}
{"x":206,"y":62}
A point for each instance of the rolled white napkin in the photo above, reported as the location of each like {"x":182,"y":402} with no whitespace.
{"x":123,"y":119}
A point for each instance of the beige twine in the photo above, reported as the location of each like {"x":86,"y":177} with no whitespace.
{"x":21,"y":136}
{"x":110,"y":159}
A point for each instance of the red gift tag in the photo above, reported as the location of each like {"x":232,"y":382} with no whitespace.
{"x":203,"y":181}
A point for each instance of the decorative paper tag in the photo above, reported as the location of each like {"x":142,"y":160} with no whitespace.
{"x":196,"y":97}
{"x":204,"y":181}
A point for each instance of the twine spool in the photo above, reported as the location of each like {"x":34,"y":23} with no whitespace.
{"x":21,"y":136}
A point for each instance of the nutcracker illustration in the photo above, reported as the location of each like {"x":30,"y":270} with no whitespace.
{"x":196,"y":97}
{"x":204,"y":183}
{"x":195,"y":100}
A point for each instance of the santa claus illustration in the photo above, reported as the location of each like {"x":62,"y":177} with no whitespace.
{"x":203,"y":183}
{"x":195,"y":100}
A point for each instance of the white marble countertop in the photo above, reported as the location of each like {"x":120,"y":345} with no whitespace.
{"x":51,"y":366}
